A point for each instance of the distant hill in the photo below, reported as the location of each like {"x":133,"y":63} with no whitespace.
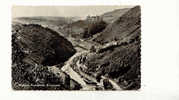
{"x":54,"y":23}
{"x":113,"y":15}
{"x":44,"y":20}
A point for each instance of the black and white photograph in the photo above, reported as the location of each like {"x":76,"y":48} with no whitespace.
{"x":89,"y":50}
{"x":85,"y":48}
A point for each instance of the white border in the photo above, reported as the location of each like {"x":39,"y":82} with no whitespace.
{"x":160,"y":53}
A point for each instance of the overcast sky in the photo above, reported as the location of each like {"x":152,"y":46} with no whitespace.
{"x":66,"y":11}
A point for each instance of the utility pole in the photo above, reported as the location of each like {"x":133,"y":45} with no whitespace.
{"x":69,"y":28}
{"x":88,"y":22}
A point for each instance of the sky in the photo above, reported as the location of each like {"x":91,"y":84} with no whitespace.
{"x":65,"y":11}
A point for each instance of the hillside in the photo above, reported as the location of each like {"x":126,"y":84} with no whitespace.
{"x":34,"y":48}
{"x":109,"y":17}
{"x":125,"y":27}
